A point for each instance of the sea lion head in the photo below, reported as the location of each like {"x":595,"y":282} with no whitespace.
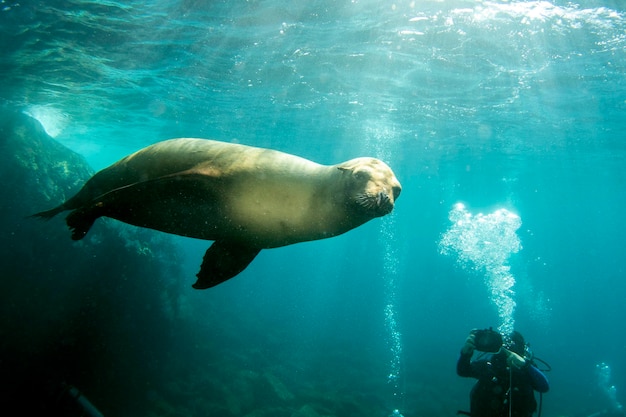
{"x":371,"y":185}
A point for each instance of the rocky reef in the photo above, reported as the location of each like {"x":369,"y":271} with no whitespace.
{"x":93,"y":314}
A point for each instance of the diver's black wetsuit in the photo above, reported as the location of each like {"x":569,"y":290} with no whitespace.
{"x":490,"y":396}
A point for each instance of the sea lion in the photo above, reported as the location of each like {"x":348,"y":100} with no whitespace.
{"x":243,"y":198}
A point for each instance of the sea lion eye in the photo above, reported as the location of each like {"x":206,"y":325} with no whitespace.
{"x":361,"y":175}
{"x":396,"y":191}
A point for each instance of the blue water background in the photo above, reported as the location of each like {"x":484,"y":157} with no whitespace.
{"x":516,"y":105}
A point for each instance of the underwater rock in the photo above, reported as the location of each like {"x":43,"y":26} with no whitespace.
{"x":93,"y":314}
{"x":270,"y":412}
{"x":278,"y":387}
{"x":308,"y":411}
{"x":37,"y":168}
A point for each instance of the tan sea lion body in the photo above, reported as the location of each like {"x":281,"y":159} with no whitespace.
{"x":244,"y":198}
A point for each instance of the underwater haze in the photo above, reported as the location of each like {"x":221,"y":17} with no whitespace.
{"x":505,"y":122}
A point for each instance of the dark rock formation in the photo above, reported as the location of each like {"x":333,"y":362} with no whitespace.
{"x":94,"y":313}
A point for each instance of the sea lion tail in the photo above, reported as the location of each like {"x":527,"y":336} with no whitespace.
{"x":48,"y":214}
{"x":79,"y":221}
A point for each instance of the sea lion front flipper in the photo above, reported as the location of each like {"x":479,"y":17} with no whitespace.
{"x":222,"y":261}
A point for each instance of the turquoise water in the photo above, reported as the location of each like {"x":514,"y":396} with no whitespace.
{"x":514,"y":106}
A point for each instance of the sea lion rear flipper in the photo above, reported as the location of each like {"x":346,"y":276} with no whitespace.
{"x":80,"y":221}
{"x":48,"y":214}
{"x":222,"y":261}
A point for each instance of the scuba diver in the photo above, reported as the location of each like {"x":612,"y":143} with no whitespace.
{"x":507,"y":378}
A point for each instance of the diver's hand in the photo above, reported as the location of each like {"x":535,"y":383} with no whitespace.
{"x":469,"y":346}
{"x":514,"y":360}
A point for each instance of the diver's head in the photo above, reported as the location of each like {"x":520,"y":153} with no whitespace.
{"x":515,"y":343}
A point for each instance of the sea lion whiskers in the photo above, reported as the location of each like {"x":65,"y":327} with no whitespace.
{"x":379,"y":203}
{"x":382,"y":198}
